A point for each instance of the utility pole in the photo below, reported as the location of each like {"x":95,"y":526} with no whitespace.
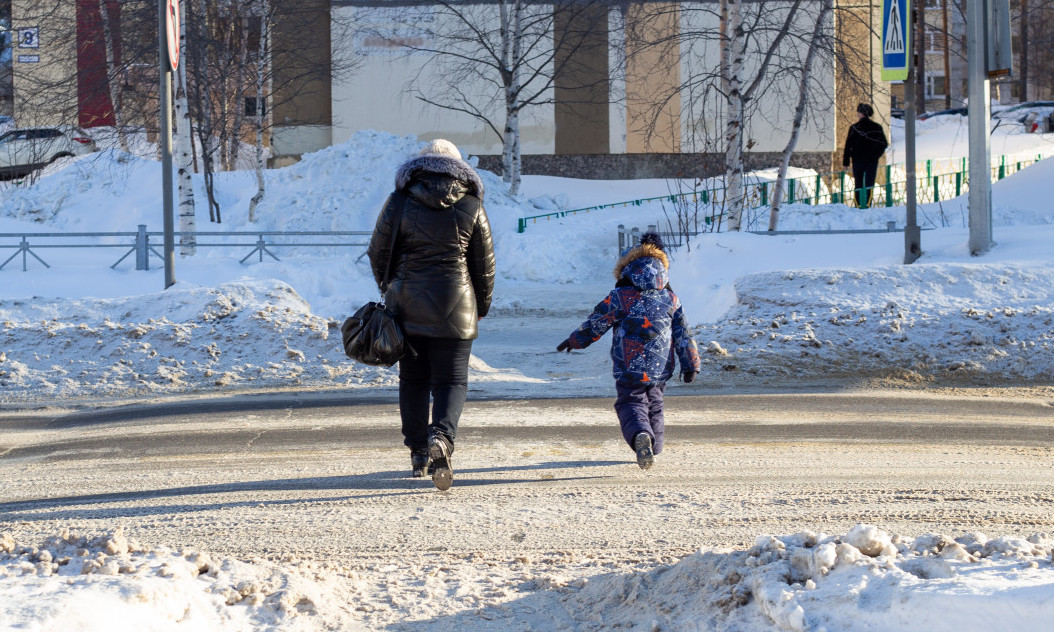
{"x":980,"y":112}
{"x":912,"y":233}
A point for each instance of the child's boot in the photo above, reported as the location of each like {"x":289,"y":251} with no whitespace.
{"x":642,"y":445}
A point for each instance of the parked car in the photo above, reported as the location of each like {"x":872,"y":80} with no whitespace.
{"x":23,"y":150}
{"x":1022,"y":110}
{"x":927,"y":115}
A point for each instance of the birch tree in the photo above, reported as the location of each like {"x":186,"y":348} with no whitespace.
{"x":184,"y":148}
{"x":498,"y":61}
{"x":735,"y":45}
{"x":815,"y":46}
{"x":264,"y":9}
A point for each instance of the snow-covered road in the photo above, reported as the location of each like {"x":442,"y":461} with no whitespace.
{"x":545,"y":492}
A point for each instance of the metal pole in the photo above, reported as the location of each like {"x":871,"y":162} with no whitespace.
{"x":912,"y":235}
{"x":980,"y":196}
{"x":165,"y":94}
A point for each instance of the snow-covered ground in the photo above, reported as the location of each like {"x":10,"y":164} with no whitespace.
{"x":863,"y":580}
{"x":769,"y":310}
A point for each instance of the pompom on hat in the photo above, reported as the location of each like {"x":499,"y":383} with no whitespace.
{"x":655,"y":239}
{"x":440,"y":147}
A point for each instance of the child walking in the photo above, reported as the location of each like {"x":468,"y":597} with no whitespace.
{"x":650,"y":329}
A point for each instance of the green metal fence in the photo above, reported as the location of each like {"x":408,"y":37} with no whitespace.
{"x":935,"y":180}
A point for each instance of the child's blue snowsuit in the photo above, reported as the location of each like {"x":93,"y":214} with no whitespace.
{"x":650,"y":330}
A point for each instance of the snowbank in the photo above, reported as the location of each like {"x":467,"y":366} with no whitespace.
{"x":111,"y":582}
{"x":257,"y":333}
{"x":921,"y":323}
{"x":839,"y":307}
{"x":865,"y":579}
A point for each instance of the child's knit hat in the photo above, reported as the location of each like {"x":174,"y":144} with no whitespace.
{"x":654,"y":239}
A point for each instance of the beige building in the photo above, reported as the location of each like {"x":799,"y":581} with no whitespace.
{"x":614,"y":109}
{"x":594,"y":123}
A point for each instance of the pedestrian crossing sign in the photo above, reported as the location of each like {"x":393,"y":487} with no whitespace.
{"x":896,"y":39}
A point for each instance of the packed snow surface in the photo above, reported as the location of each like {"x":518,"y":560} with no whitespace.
{"x":863,"y":580}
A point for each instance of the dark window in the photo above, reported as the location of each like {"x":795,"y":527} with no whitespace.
{"x":253,"y":108}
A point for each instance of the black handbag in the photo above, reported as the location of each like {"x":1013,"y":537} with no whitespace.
{"x":372,"y":335}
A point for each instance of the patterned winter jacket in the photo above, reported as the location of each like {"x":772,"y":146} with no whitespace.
{"x":650,"y":328}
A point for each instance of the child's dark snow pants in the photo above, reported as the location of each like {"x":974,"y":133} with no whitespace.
{"x":639,"y":409}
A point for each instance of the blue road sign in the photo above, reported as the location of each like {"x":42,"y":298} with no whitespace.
{"x":896,"y":39}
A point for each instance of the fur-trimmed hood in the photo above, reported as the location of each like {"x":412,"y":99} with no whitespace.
{"x":438,"y":163}
{"x":641,"y":265}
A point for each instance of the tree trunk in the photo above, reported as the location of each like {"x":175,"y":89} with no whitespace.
{"x":511,"y":51}
{"x":111,"y":79}
{"x":918,"y":49}
{"x":799,"y":115}
{"x":205,"y":125}
{"x":261,"y":75}
{"x":239,"y":105}
{"x":1024,"y":19}
{"x":947,"y":57}
{"x":188,"y":245}
{"x":735,"y":198}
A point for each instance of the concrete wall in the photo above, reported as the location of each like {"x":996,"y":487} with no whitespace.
{"x":633,"y":166}
{"x":302,"y":102}
{"x":377,"y":95}
{"x":583,"y":80}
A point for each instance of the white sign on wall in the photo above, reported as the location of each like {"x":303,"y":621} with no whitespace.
{"x":29,"y":37}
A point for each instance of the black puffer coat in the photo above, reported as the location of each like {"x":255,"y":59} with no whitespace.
{"x":865,"y":143}
{"x":443,"y":263}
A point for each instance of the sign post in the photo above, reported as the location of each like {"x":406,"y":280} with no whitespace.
{"x":898,"y":64}
{"x":988,"y":54}
{"x":168,"y":60}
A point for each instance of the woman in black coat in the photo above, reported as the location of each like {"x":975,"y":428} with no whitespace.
{"x":442,"y":271}
{"x":864,"y":146}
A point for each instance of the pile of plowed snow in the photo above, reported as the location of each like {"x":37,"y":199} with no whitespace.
{"x":864,"y":580}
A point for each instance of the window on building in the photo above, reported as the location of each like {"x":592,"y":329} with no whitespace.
{"x":935,"y":86}
{"x":935,"y":42}
{"x":253,"y":107}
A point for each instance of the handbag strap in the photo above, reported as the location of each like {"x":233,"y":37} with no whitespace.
{"x":391,"y":244}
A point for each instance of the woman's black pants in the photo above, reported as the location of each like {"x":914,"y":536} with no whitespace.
{"x":440,"y":370}
{"x":864,"y":179}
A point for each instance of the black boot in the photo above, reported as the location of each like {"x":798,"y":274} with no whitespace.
{"x":439,"y":448}
{"x":642,"y":445}
{"x":419,"y":460}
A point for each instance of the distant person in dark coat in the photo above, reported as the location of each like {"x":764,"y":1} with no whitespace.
{"x":651,"y":334}
{"x":864,"y":146}
{"x":442,"y":280}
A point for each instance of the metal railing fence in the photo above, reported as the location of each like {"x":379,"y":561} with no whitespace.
{"x":936,"y":180}
{"x":139,"y":243}
{"x":675,"y":239}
